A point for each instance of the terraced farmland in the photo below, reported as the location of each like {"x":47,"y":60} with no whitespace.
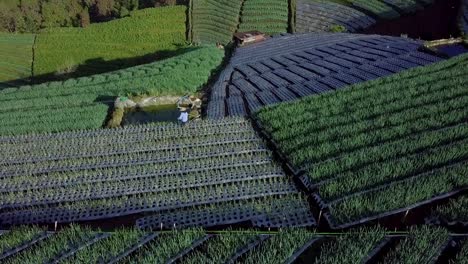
{"x":89,"y":175}
{"x":353,"y":15}
{"x":16,"y":56}
{"x":322,"y":16}
{"x":365,"y":245}
{"x":267,"y":16}
{"x":463,"y":18}
{"x":102,"y":47}
{"x":82,"y":103}
{"x":381,"y":147}
{"x":293,"y":66}
{"x":214,"y":21}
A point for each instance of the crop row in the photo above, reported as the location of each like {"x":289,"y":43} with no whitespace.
{"x":292,"y":210}
{"x":16,"y":55}
{"x":61,"y":113}
{"x":156,"y":131}
{"x":430,"y":242}
{"x":117,"y":43}
{"x":377,"y":8}
{"x":270,"y":16}
{"x":455,"y":211}
{"x":151,"y":201}
{"x":364,"y":159}
{"x":53,"y":148}
{"x":286,"y":76}
{"x":180,"y":155}
{"x":363,"y":245}
{"x":319,"y":16}
{"x":214,"y":21}
{"x":209,"y":167}
{"x":100,"y":184}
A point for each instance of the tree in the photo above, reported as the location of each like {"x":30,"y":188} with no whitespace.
{"x":31,"y":13}
{"x":85,"y":20}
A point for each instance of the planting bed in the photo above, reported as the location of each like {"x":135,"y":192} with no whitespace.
{"x":267,"y":16}
{"x":364,"y":245}
{"x":272,"y":211}
{"x":293,"y":66}
{"x":453,"y":213}
{"x":104,"y":47}
{"x":322,"y":16}
{"x":381,"y":147}
{"x":82,"y":103}
{"x":16,"y":56}
{"x":214,"y":21}
{"x":429,"y":242}
{"x":88,"y":175}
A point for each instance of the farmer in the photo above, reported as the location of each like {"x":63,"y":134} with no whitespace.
{"x":183,"y":118}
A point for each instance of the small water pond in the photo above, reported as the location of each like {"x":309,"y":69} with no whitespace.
{"x":452,"y":50}
{"x":159,"y":113}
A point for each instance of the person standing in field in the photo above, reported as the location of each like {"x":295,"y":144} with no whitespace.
{"x":183,"y":118}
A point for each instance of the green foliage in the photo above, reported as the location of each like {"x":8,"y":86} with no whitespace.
{"x":381,"y":145}
{"x":270,"y":17}
{"x":424,"y":240}
{"x":337,"y":29}
{"x":46,"y":250}
{"x":16,"y":55}
{"x":352,"y":247}
{"x":111,"y":45}
{"x":214,"y":21}
{"x":82,"y":103}
{"x":279,"y":247}
{"x":221,"y":248}
{"x":166,"y":245}
{"x":107,"y":248}
{"x":18,"y":236}
{"x":455,"y":210}
{"x":33,"y":15}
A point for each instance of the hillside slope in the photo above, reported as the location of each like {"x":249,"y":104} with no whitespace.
{"x":293,"y":66}
{"x":84,"y":102}
{"x":382,"y":146}
{"x":143,"y":37}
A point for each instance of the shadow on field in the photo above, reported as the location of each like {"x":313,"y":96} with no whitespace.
{"x":99,"y":65}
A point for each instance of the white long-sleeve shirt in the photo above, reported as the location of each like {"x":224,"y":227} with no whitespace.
{"x":183,"y":117}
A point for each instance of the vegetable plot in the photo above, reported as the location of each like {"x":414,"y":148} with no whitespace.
{"x":221,"y":248}
{"x":455,"y":211}
{"x":88,"y":175}
{"x":267,"y":16}
{"x":430,"y":242}
{"x":214,"y":21}
{"x":271,"y":211}
{"x":16,"y":239}
{"x":364,"y":245}
{"x":167,"y":246}
{"x":286,"y":68}
{"x":104,"y":47}
{"x":353,"y":247}
{"x":380,"y":147}
{"x":16,"y":56}
{"x":53,"y":248}
{"x":323,"y":16}
{"x":280,"y":247}
{"x":106,"y":249}
{"x":82,"y":103}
